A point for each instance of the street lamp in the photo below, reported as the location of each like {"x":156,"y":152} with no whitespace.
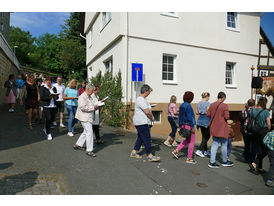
{"x":14,"y":49}
{"x":252,"y":69}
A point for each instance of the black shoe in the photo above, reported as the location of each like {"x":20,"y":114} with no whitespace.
{"x":213,"y":165}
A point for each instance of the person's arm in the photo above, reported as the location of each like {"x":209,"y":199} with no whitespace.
{"x":38,"y":92}
{"x":181,"y":115}
{"x":226,"y":112}
{"x":7,"y":84}
{"x":149,"y":114}
{"x":175,"y":111}
{"x":22,"y":94}
{"x":268,"y":123}
{"x":85,"y":105}
{"x":208,"y":113}
{"x":65,"y":96}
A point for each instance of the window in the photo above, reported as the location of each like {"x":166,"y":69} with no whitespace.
{"x":232,"y":21}
{"x":230,"y":74}
{"x":157,"y":115}
{"x":171,"y":14}
{"x":109,"y":65}
{"x":90,"y":37}
{"x":106,"y":17}
{"x":168,"y":68}
{"x":263,"y":73}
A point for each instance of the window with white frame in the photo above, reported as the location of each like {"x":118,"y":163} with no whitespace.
{"x":263,"y":73}
{"x":232,"y":20}
{"x":90,"y":37}
{"x":109,"y":65}
{"x":106,"y":17}
{"x":230,"y":74}
{"x":168,"y":65}
{"x":157,"y":115}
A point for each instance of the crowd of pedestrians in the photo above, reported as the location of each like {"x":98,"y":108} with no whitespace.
{"x":44,"y":99}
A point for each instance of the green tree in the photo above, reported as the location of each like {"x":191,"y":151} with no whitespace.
{"x":25,"y":45}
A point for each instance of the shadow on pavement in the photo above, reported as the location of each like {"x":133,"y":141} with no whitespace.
{"x":109,"y":139}
{"x":10,"y":185}
{"x":5,"y":165}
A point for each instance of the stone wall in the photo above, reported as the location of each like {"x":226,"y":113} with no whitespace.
{"x":6,"y":68}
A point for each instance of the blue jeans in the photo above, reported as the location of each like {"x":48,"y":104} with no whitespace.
{"x":71,"y":112}
{"x":214,"y":148}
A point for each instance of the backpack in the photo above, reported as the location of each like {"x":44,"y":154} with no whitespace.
{"x":253,"y":126}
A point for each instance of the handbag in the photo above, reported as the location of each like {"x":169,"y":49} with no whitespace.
{"x":269,"y":140}
{"x":184,"y":132}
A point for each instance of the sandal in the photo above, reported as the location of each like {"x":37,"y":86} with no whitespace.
{"x":175,"y":154}
{"x":175,"y":144}
{"x":135,"y":155}
{"x":77,"y":147}
{"x":191,"y":161}
{"x":167,"y":144}
{"x":91,"y":154}
{"x":153,"y":159}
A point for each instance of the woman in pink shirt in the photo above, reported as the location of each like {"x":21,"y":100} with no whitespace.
{"x":172,"y":118}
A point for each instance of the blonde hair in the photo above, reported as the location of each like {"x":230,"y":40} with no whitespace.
{"x":205,"y":94}
{"x":70,"y":82}
{"x":173,"y":99}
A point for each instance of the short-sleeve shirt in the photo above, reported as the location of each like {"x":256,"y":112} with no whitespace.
{"x":71,"y":93}
{"x":171,"y":108}
{"x":20,"y":83}
{"x":261,"y":119}
{"x":60,"y":89}
{"x":140,"y":118}
{"x":31,"y":91}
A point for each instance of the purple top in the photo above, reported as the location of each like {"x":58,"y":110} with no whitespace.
{"x":171,"y":110}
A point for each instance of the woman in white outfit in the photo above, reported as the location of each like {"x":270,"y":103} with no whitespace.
{"x":84,"y":114}
{"x":96,"y":122}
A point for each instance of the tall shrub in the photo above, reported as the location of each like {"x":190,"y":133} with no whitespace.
{"x":113,"y":113}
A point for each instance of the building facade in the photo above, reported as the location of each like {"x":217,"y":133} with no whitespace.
{"x":8,"y":61}
{"x":180,"y":52}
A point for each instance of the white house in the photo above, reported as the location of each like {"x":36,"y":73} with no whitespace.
{"x":180,"y":52}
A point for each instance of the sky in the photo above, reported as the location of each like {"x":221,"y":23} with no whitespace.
{"x":39,"y":23}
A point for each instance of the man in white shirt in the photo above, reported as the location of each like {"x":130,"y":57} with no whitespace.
{"x":60,"y":101}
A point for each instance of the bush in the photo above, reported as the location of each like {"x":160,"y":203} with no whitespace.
{"x":114,"y":112}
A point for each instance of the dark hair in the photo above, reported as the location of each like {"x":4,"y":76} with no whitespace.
{"x":145,"y":88}
{"x":262,"y":103}
{"x":188,"y":96}
{"x":11,"y":76}
{"x":38,"y":80}
{"x":221,"y":95}
{"x":96,"y":87}
{"x":48,"y":78}
{"x":250,"y":102}
{"x":263,"y":98}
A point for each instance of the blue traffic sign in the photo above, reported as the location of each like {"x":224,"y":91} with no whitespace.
{"x":137,"y":72}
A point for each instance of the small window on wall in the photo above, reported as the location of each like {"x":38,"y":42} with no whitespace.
{"x":168,"y":68}
{"x":157,"y":115}
{"x":263,"y":73}
{"x":230,"y":74}
{"x":232,"y":20}
{"x":106,"y":17}
{"x":109,"y":65}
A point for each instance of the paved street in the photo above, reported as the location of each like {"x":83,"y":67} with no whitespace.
{"x":30,"y":164}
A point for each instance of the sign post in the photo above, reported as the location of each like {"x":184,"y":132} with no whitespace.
{"x":137,"y":74}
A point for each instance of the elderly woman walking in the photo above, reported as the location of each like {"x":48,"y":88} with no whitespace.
{"x":11,"y":92}
{"x":142,"y":120}
{"x":84,"y":114}
{"x":187,"y":121}
{"x":219,"y":114}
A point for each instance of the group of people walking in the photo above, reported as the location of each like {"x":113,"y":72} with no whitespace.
{"x":214,"y":120}
{"x":44,"y":99}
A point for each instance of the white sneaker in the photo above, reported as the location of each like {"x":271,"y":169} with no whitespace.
{"x":10,"y":110}
{"x":45,"y":131}
{"x":61,"y":125}
{"x":199,"y":153}
{"x":70,"y":134}
{"x":49,"y":137}
{"x":54,"y":123}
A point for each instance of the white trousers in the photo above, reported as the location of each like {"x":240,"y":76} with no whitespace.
{"x":86,"y":136}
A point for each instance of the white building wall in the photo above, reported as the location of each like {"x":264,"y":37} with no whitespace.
{"x":197,"y":70}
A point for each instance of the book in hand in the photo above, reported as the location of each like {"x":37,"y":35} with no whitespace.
{"x":54,"y":94}
{"x":153,"y":105}
{"x":101,"y":103}
{"x":104,"y":99}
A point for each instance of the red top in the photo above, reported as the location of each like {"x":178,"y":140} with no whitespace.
{"x":81,"y":90}
{"x":219,"y":127}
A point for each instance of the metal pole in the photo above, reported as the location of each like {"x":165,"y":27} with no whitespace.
{"x":252,"y":69}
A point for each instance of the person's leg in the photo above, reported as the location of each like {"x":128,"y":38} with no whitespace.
{"x":74,"y":121}
{"x":81,"y":140}
{"x":229,"y":147}
{"x":271,"y":161}
{"x":173,"y":132}
{"x":139,"y":140}
{"x":34,"y":114}
{"x":207,"y":137}
{"x":96,"y":131}
{"x":145,"y":137}
{"x":214,"y":149}
{"x":70,"y":119}
{"x":89,"y":137}
{"x":224,"y":149}
{"x":247,"y":142}
{"x":191,"y":145}
{"x":30,"y":116}
{"x":170,"y":120}
{"x":47,"y":114}
{"x":253,"y":150}
{"x":61,"y":117}
{"x":203,"y":142}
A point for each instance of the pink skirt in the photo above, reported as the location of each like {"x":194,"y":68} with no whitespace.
{"x":11,"y":99}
